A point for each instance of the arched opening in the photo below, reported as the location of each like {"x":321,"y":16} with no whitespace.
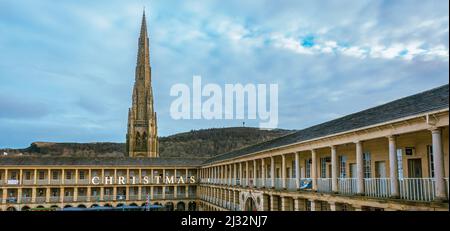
{"x":11,"y":209}
{"x":144,"y":204}
{"x":120,"y":205}
{"x":169,"y":206}
{"x":81,"y":206}
{"x":40,"y":207}
{"x":25,"y":208}
{"x":94,"y":205}
{"x":107,"y":205}
{"x":192,"y":206}
{"x":67,"y":206}
{"x":181,"y":206}
{"x":250,"y":205}
{"x":133,"y":204}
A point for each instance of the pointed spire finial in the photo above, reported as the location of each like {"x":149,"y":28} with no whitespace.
{"x":143,"y":25}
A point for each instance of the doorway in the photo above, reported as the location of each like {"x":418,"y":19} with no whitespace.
{"x":380,"y":169}
{"x":415,"y":168}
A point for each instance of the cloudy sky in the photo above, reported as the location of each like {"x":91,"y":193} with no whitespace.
{"x":67,"y":67}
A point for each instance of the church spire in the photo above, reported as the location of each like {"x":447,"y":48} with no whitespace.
{"x":142,"y":139}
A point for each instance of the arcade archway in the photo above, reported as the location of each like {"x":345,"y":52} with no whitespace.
{"x":250,"y":205}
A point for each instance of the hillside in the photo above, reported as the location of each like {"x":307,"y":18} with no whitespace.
{"x":194,"y":144}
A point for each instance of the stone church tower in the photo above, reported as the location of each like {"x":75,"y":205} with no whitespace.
{"x":142,"y":140}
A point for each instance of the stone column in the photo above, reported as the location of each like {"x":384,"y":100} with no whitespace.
{"x":359,"y":168}
{"x":88,"y":194}
{"x":76,"y":177}
{"x":151,"y":193}
{"x":234,"y":173}
{"x":5,"y":194}
{"x":49,"y":177}
{"x":240,"y":173}
{"x":334,"y":170}
{"x":254,"y":173}
{"x":438,"y":159}
{"x":33,"y":195}
{"x":283,"y":171}
{"x":47,"y":195}
{"x":247,"y":177}
{"x":187,"y":175}
{"x":61,"y":194}
{"x":20,"y":176}
{"x":332,"y":206}
{"x":263,"y":173}
{"x":314,"y":169}
{"x":175,"y":192}
{"x":75,"y":194}
{"x":163,"y":192}
{"x":102,"y":193}
{"x":19,"y":195}
{"x":286,"y":204}
{"x":273,"y":203}
{"x":35,"y":177}
{"x":265,"y":202}
{"x":313,"y":205}
{"x":299,"y":204}
{"x":272,"y":170}
{"x":297,"y":170}
{"x":393,"y":167}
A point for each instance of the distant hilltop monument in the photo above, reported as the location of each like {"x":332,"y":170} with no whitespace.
{"x":142,"y":139}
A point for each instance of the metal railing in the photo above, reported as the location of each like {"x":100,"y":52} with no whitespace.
{"x":40,"y":199}
{"x":268,"y":183}
{"x":55,"y":182}
{"x":157,"y":196}
{"x":83,"y":181}
{"x":181,"y":195}
{"x":25,"y":199}
{"x":347,"y":186}
{"x":81,"y":198}
{"x":68,"y":199}
{"x":133,"y":197}
{"x":97,"y":198}
{"x":278,"y":183}
{"x":244,"y":182}
{"x":291,"y":184}
{"x":324,"y":185}
{"x":121,"y":197}
{"x":417,"y":189}
{"x":192,"y":195}
{"x":69,"y":181}
{"x":258,"y":182}
{"x":27,"y":182}
{"x":11,"y":200}
{"x":106,"y":197}
{"x":377,"y":187}
{"x":42,"y":182}
{"x":54,"y":199}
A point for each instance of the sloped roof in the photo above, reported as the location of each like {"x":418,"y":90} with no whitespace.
{"x":430,"y":100}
